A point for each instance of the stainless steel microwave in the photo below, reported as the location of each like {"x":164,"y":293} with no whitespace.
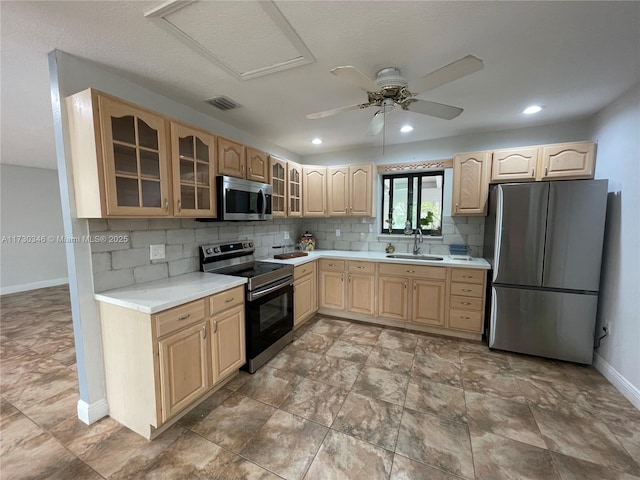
{"x":243,"y":200}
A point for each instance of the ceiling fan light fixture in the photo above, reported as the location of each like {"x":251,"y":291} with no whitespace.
{"x":531,"y":109}
{"x":406,"y":129}
{"x":316,"y":141}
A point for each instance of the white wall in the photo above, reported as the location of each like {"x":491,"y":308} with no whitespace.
{"x":617,"y":131}
{"x":30,"y":206}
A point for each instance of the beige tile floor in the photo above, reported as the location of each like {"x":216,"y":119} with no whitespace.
{"x":343,"y":401}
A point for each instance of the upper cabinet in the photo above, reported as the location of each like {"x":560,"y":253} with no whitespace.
{"x":349,"y":190}
{"x":278,"y":181}
{"x":120,"y":158}
{"x":257,"y":166}
{"x":193,"y":164}
{"x":231,"y":158}
{"x":294,"y":189}
{"x":514,"y":164}
{"x":568,"y":161}
{"x":314,"y":191}
{"x":471,"y":172}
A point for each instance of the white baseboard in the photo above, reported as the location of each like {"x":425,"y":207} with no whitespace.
{"x":625,"y":386}
{"x":91,"y":413}
{"x":34,"y":285}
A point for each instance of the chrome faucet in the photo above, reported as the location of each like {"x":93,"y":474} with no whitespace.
{"x":416,"y":248}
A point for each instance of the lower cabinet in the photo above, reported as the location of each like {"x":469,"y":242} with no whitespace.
{"x":158,"y":366}
{"x":332,"y":292}
{"x":466,"y":300}
{"x":427,"y":306}
{"x":348,"y":286}
{"x":393,"y":297}
{"x":305,"y":292}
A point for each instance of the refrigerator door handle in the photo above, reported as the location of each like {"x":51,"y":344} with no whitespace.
{"x":492,"y":319}
{"x":498,"y":240}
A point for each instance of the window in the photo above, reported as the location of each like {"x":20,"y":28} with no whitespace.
{"x":408,"y":198}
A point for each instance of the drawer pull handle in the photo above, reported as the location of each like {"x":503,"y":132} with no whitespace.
{"x":229,"y":300}
{"x":360,"y":268}
{"x":465,"y":318}
{"x":204,"y":332}
{"x":465,"y":303}
{"x":533,"y":172}
{"x":467,"y":276}
{"x":467,"y":290}
{"x":411,"y":271}
{"x":332,"y":264}
{"x":215,"y":326}
{"x":405,"y":285}
{"x":546,"y":171}
{"x":184,"y":317}
{"x":166,"y":204}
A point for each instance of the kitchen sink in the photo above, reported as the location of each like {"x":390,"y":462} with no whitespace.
{"x":416,"y":257}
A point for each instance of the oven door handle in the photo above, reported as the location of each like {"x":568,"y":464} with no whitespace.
{"x":262,"y":293}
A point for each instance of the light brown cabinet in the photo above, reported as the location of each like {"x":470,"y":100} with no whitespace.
{"x":314,"y":191}
{"x":349,"y":190}
{"x":257,"y":165}
{"x":294,"y":189}
{"x":332,"y":293}
{"x":158,"y":366}
{"x":514,"y":165}
{"x":428,"y":300}
{"x":471,"y":172}
{"x":348,"y":286}
{"x":278,"y":181}
{"x":393,"y":294}
{"x":193,"y":167}
{"x":120,"y":157}
{"x":568,"y":161}
{"x":305,"y":292}
{"x":231,"y":158}
{"x":466,"y":299}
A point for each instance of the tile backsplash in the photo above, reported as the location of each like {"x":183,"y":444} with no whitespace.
{"x":123,"y":259}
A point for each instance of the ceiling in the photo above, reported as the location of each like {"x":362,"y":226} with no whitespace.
{"x":572,"y":57}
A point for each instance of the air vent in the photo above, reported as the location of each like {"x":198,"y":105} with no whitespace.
{"x":223,"y":103}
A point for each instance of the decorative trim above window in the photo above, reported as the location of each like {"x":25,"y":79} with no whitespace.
{"x":428,"y":165}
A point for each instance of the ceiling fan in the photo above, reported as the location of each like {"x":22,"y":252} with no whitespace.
{"x":390,"y":89}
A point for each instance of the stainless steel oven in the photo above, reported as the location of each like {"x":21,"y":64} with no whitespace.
{"x":269,"y":297}
{"x":243,"y":199}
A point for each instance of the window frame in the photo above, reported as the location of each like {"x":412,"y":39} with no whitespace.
{"x":410,"y":207}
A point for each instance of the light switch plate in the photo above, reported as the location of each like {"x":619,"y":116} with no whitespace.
{"x":337,"y":232}
{"x":286,"y":235}
{"x":156,"y":252}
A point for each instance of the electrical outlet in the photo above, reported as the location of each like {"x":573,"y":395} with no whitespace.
{"x":337,"y":232}
{"x":156,"y":252}
{"x":286,"y":235}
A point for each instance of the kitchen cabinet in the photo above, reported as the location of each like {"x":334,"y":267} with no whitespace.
{"x":158,"y":366}
{"x":332,"y":292}
{"x":568,"y":161}
{"x":120,"y":157}
{"x":349,"y":190}
{"x":514,"y":165}
{"x":314,"y":191}
{"x":294,"y":189}
{"x":193,"y":167}
{"x":428,"y":300}
{"x":471,"y":172}
{"x":257,"y":165}
{"x":466,"y":299}
{"x":305,"y":292}
{"x":361,"y":289}
{"x":231,"y":158}
{"x":278,"y":181}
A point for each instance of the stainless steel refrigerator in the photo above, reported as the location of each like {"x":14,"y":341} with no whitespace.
{"x":544,"y":243}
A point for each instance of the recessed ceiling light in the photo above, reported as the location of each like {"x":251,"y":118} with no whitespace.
{"x":316,"y":141}
{"x":406,"y":129}
{"x":532,"y":109}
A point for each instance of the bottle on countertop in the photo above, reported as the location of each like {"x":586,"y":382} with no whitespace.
{"x":307,"y":242}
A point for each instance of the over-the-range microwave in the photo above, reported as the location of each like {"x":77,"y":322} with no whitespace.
{"x":242,"y":200}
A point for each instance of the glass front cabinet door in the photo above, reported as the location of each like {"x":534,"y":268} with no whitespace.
{"x":193,"y":162}
{"x":135,"y":160}
{"x":278,"y":169}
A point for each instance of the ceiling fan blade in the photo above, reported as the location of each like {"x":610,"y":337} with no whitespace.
{"x":458,"y":69}
{"x":356,"y":78}
{"x":377,"y":122}
{"x":433,"y":109}
{"x":335,"y":111}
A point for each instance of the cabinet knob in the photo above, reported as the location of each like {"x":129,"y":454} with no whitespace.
{"x":456,"y":207}
{"x":179,"y":205}
{"x":405,"y":285}
{"x":349,"y":278}
{"x":215,"y":326}
{"x":342,"y":278}
{"x":166,"y":204}
{"x":414,"y":286}
{"x":204,"y":332}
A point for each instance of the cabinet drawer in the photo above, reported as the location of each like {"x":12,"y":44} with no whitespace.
{"x":465,"y":303}
{"x":438,"y":273}
{"x":179,"y":317}
{"x":362,"y":267}
{"x":466,"y":289}
{"x":332,"y":265}
{"x":302,"y":270}
{"x":467,"y":275}
{"x":227,"y":299}
{"x":465,"y":320}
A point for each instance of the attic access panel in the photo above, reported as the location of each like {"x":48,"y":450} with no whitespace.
{"x":247,"y":39}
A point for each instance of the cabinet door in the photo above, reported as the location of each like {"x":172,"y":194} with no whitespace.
{"x":231,"y":158}
{"x":228,"y":342}
{"x":361,"y":190}
{"x":514,"y":164}
{"x":303,"y":298}
{"x":193,"y":162}
{"x":184,"y":373}
{"x":135,"y":160}
{"x":568,"y":160}
{"x":428,"y":302}
{"x":332,"y":292}
{"x":362,"y":293}
{"x":278,"y":180}
{"x":470,"y":183}
{"x":338,"y":191}
{"x":314,"y":191}
{"x":257,"y":166}
{"x":294,"y":189}
{"x":393,"y":297}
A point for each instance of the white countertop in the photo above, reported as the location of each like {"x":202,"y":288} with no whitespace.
{"x":447,"y":260}
{"x":153,"y":297}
